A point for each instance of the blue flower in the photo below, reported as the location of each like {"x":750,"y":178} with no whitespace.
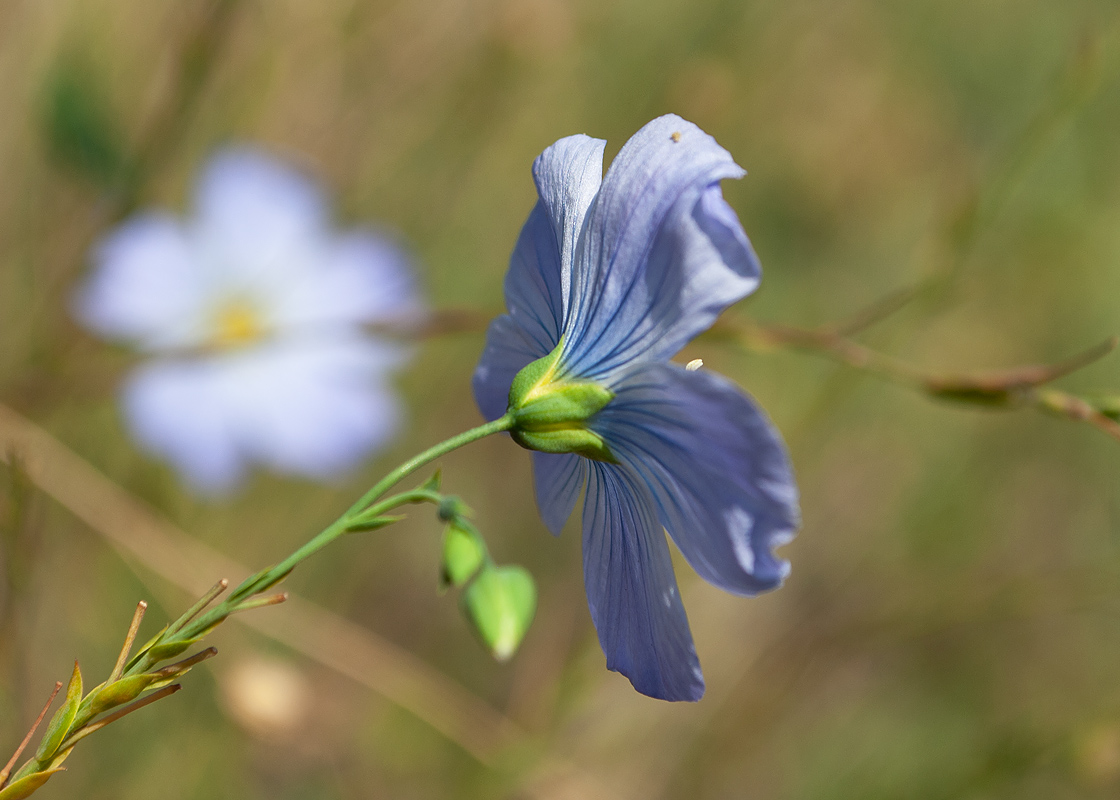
{"x":609,"y":279}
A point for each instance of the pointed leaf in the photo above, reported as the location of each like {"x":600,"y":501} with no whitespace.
{"x":166,"y":650}
{"x":25,"y":787}
{"x":63,"y":718}
{"x":433,"y":483}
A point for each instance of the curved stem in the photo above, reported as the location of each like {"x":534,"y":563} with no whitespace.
{"x":269,"y":577}
{"x":338,"y":527}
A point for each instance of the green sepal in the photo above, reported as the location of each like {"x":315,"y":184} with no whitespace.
{"x":551,"y":414}
{"x":501,"y":602}
{"x":464,"y":553}
{"x":60,"y":757}
{"x":560,"y":404}
{"x":25,"y":787}
{"x":154,"y":685}
{"x":532,"y":377}
{"x":63,"y":718}
{"x":370,"y":522}
{"x":581,"y":441}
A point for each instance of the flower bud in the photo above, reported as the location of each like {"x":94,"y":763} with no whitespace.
{"x":501,"y":602}
{"x":463,"y":555}
{"x":551,"y":414}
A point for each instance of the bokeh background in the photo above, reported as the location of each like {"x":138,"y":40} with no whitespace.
{"x":951,"y":628}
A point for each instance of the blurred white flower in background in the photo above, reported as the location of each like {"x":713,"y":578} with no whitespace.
{"x":254,"y":312}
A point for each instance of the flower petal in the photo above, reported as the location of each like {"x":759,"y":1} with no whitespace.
{"x":661,"y":255}
{"x":508,"y":349}
{"x":631,"y":588}
{"x":145,"y":287}
{"x":715,"y":464}
{"x":558,"y":478}
{"x":567,"y":176}
{"x":256,"y":216}
{"x":361,"y":277}
{"x":314,"y":407}
{"x":175,"y":411}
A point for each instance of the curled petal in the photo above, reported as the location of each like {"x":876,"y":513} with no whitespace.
{"x":631,"y":589}
{"x":661,"y":254}
{"x":716,"y":466}
{"x":558,"y":479}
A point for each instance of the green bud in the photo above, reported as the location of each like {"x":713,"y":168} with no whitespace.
{"x":463,"y":555}
{"x":501,"y":602}
{"x":551,"y":414}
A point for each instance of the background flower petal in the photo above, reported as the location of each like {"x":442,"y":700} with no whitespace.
{"x":631,"y":589}
{"x":360,"y":277}
{"x":256,"y":217}
{"x":661,"y":255}
{"x":558,"y":479}
{"x":313,"y":408}
{"x":715,"y":464}
{"x":175,"y":412}
{"x":145,"y":287}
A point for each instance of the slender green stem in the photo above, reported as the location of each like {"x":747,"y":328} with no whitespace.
{"x":338,"y":527}
{"x":269,"y":577}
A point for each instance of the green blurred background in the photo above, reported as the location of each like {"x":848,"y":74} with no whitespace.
{"x":951,"y":628}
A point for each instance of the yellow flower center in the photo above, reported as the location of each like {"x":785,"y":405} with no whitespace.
{"x":237,"y":323}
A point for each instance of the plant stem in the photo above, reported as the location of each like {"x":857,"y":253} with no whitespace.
{"x":338,"y":527}
{"x":269,"y":577}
